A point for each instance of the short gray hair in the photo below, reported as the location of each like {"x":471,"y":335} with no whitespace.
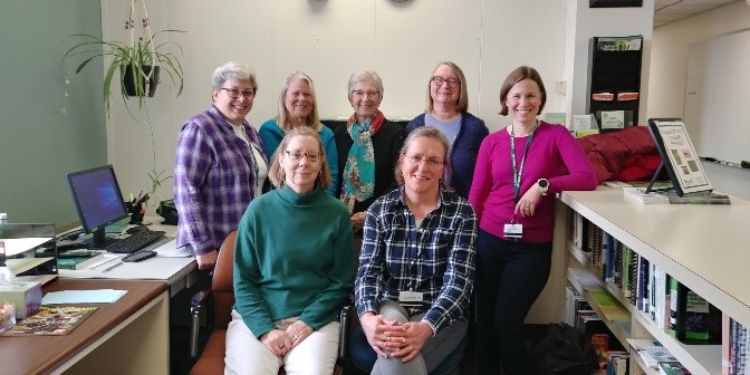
{"x":233,"y":70}
{"x":365,"y":75}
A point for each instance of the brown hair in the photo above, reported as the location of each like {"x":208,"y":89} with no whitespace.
{"x":277,"y":175}
{"x":518,"y":75}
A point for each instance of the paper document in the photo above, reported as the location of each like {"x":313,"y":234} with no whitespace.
{"x":15,"y":246}
{"x":83,"y":296}
{"x":169,"y":249}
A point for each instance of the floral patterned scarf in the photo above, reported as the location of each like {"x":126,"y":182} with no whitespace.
{"x":359,"y":172}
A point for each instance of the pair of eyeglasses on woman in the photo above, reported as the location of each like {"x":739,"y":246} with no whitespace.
{"x":235,"y":93}
{"x":297,"y":156}
{"x":438,"y":81}
{"x":369,"y":94}
{"x":431,"y":161}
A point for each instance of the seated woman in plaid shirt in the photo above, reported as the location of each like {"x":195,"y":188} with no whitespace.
{"x":416,"y":269}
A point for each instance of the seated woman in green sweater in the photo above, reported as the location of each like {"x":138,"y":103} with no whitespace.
{"x":293,"y":268}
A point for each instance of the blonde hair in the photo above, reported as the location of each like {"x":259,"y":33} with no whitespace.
{"x":463,"y":93}
{"x":282,"y":118}
{"x":277,"y":175}
{"x":427,"y":132}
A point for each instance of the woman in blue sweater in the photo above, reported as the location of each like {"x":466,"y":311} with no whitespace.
{"x":298,"y":107}
{"x":447,"y":110}
{"x":293,"y":268}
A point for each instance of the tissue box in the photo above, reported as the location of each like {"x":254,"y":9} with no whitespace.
{"x":26,"y":296}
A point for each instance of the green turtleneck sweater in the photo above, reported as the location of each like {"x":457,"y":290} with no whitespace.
{"x":294,"y":256}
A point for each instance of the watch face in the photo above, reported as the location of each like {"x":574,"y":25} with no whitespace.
{"x":543,"y":183}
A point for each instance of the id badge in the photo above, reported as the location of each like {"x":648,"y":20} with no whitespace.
{"x":513,"y":230}
{"x":409,"y":296}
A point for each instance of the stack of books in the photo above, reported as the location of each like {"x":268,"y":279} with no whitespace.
{"x":78,"y":260}
{"x":639,"y":195}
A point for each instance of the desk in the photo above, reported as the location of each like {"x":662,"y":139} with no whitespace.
{"x":130,"y":336}
{"x":179,"y":273}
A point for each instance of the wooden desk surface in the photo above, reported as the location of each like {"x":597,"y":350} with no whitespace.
{"x":42,"y":354}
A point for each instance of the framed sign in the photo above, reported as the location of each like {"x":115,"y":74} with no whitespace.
{"x":615,"y":3}
{"x":678,"y":156}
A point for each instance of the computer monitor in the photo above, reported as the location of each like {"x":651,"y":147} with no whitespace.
{"x":98,"y":200}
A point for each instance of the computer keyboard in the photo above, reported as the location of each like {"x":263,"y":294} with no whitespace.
{"x":134,"y":242}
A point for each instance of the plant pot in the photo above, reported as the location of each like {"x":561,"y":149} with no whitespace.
{"x":129,"y":82}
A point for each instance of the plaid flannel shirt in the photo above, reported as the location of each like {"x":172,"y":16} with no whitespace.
{"x":214,"y":179}
{"x":436,"y":259}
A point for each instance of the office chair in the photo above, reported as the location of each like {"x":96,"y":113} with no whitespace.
{"x":211,"y":360}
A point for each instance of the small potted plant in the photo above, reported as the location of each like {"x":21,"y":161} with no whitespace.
{"x":137,"y":63}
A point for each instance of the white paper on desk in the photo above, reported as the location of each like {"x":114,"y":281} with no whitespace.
{"x":170,"y":250}
{"x":15,"y":246}
{"x":83,"y":296}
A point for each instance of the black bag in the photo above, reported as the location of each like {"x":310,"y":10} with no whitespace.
{"x":560,"y":349}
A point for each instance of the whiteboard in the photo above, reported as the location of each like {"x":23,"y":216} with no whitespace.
{"x":717,"y":96}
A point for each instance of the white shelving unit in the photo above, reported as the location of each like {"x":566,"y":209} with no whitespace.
{"x":706,"y":247}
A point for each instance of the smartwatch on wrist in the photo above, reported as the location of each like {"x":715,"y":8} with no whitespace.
{"x":543,"y":185}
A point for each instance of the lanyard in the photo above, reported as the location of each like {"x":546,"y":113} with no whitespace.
{"x":518,"y":171}
{"x":254,"y":161}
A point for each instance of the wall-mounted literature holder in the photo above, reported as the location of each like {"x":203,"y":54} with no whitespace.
{"x":678,"y":157}
{"x":614,"y":83}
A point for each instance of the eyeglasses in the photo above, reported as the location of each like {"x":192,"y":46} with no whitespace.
{"x":438,"y":81}
{"x":235,"y":93}
{"x":418,"y":159}
{"x":297,"y":156}
{"x":369,"y":94}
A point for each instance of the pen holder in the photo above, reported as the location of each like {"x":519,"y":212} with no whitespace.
{"x":136,"y":212}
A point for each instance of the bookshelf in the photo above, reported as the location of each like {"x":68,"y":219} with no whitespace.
{"x":702,"y":246}
{"x":615,"y":68}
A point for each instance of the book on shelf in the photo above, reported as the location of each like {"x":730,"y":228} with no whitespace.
{"x":80,"y":260}
{"x":735,"y":347}
{"x":51,"y":321}
{"x":609,"y":306}
{"x":672,"y":368}
{"x":639,"y":195}
{"x":693,"y":320}
{"x":651,"y":352}
{"x":618,"y":363}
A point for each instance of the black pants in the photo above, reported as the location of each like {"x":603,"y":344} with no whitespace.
{"x":510,"y":276}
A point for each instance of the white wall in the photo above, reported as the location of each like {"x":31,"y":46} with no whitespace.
{"x":590,"y":22}
{"x":329,"y":40}
{"x":669,"y":65}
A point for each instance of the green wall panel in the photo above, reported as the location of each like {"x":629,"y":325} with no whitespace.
{"x":52,"y":121}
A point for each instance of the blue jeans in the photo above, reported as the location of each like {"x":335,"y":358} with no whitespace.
{"x":445,"y":346}
{"x":510,"y":276}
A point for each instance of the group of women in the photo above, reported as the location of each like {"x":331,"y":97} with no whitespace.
{"x":441,"y":207}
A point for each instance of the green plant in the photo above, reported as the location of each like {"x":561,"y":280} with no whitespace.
{"x":138,"y":57}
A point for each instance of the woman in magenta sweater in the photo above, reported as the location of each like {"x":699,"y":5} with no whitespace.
{"x":518,"y":172}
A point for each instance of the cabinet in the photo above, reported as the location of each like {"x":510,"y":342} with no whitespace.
{"x":614,"y":84}
{"x":702,"y":246}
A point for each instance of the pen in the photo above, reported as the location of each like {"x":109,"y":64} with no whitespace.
{"x":112,"y":267}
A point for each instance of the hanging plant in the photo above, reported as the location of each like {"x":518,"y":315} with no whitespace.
{"x":137,"y":63}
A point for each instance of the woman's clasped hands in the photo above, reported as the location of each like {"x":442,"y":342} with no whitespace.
{"x":396,"y":339}
{"x":280,"y":342}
